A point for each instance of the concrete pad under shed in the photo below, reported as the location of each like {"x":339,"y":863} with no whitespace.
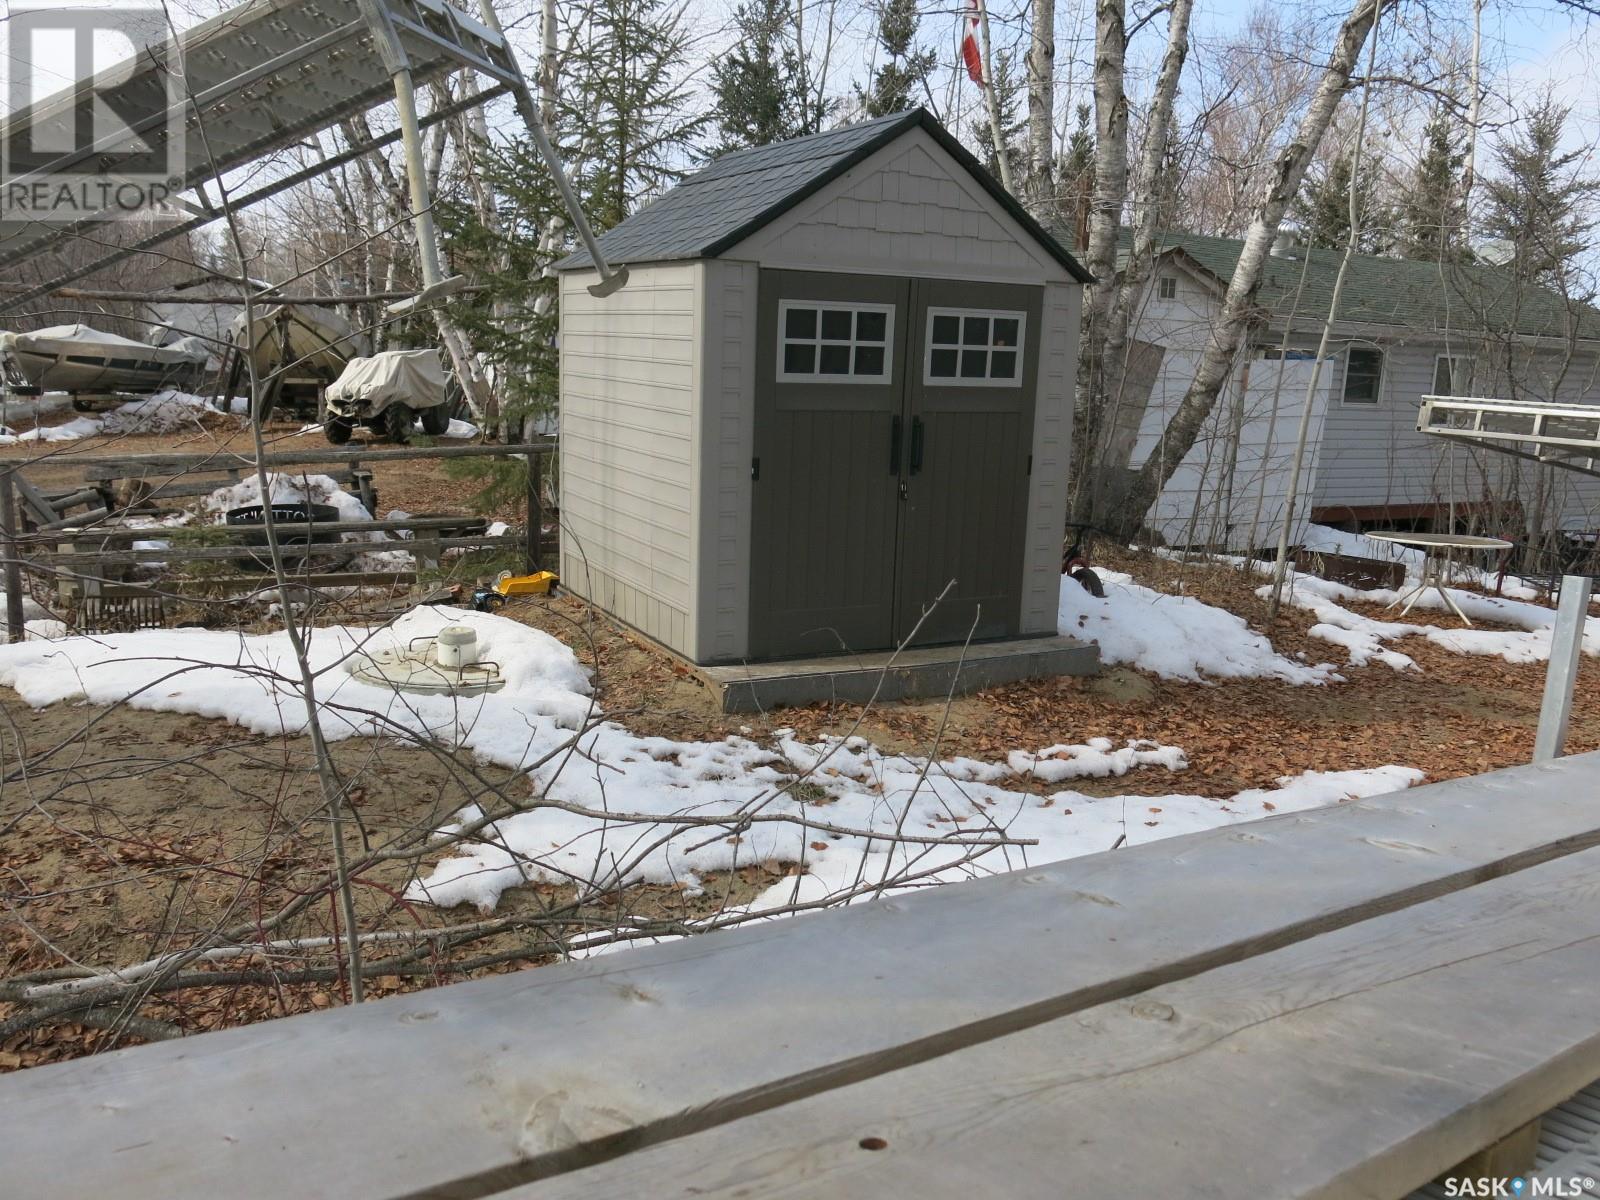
{"x":922,"y":673}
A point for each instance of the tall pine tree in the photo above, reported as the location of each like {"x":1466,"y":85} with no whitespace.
{"x":757,"y":82}
{"x":621,"y":130}
{"x":904,"y":72}
{"x":1540,"y":203}
{"x":1324,"y":206}
{"x":628,"y":96}
{"x":1008,"y":94}
{"x":1431,"y":218}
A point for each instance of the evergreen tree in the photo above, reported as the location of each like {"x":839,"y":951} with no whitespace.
{"x":1432,"y":211}
{"x":895,"y":83}
{"x":1540,"y":204}
{"x":757,"y":82}
{"x":1008,"y":94}
{"x":621,"y":131}
{"x":1324,"y":206}
{"x":627,"y":99}
{"x":1075,"y":177}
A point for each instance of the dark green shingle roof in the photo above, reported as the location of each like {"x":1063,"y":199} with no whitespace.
{"x":718,"y":207}
{"x":1430,"y":296}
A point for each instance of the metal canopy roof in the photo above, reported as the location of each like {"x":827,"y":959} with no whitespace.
{"x":260,"y":78}
{"x":1562,"y":435}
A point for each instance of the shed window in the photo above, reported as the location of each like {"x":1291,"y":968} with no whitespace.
{"x":974,"y":347}
{"x":1167,"y":287}
{"x":1363,"y":375}
{"x":1452,"y":375}
{"x":834,"y":343}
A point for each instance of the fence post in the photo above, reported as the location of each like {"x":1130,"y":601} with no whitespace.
{"x":535,"y":508}
{"x":1566,"y":649}
{"x":11,"y":547}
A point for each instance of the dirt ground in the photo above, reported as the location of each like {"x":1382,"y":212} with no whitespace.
{"x":123,"y":833}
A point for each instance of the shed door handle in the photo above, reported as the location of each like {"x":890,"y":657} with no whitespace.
{"x":896,"y":429}
{"x":916,"y":444}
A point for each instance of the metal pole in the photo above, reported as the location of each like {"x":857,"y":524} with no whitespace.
{"x":15,"y":632}
{"x":535,"y":510}
{"x":1566,"y":647}
{"x":395,"y":60}
{"x":611,"y":278}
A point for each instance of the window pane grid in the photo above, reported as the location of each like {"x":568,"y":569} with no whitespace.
{"x":974,"y":348}
{"x":835,"y":342}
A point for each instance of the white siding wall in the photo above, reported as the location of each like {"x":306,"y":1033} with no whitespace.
{"x":1052,"y":453}
{"x":906,"y":210}
{"x":1375,"y":454}
{"x":1366,"y":454}
{"x":630,"y":383}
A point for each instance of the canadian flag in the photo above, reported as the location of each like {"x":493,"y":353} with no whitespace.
{"x":970,"y":53}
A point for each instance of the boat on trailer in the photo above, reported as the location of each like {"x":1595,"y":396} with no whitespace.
{"x":85,"y":362}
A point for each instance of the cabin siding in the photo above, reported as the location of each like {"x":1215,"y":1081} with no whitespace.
{"x":630,"y":387}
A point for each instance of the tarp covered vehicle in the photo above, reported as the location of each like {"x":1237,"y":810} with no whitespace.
{"x":87,"y":362}
{"x":387,"y":392}
{"x":296,"y":350}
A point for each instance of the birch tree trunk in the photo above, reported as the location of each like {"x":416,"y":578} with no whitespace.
{"x":1042,"y":110}
{"x":1239,"y":304}
{"x":1105,"y":214}
{"x":1145,"y":195}
{"x":992,"y":101}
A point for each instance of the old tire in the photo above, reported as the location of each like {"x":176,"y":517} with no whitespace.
{"x":436,"y":420}
{"x":397,"y":420}
{"x":337,"y":431}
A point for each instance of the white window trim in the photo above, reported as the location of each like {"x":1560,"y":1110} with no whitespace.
{"x":819,"y":341}
{"x":1453,"y":358}
{"x":928,"y":378}
{"x":1383,"y":377}
{"x":1161,"y":287}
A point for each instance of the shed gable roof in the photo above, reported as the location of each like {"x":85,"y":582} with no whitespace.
{"x":739,"y":193}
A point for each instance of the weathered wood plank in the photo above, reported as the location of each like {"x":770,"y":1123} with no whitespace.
{"x":499,"y":1080}
{"x":356,"y":454}
{"x":296,"y":549}
{"x":122,"y":534}
{"x":1360,"y":1063}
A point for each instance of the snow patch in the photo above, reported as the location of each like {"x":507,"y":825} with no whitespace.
{"x":601,"y":807}
{"x":1175,"y":637}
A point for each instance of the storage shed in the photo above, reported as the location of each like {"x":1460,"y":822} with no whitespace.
{"x":838,"y":380}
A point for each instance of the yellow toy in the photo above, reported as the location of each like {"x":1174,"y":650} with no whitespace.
{"x":537,"y":584}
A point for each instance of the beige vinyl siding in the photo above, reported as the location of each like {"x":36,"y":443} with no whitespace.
{"x":630,"y":371}
{"x":1052,"y":454}
{"x":906,"y":210}
{"x":726,"y":441}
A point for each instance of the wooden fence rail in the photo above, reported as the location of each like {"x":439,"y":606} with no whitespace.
{"x":1336,"y":1003}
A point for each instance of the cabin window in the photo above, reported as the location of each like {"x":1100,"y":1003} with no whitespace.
{"x":1452,"y":375}
{"x":1167,"y":287}
{"x":835,"y":343}
{"x":1363,"y":375}
{"x":970,"y":347}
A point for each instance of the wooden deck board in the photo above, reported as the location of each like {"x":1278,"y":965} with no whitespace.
{"x":461,"y":1090}
{"x":1357,"y":1064}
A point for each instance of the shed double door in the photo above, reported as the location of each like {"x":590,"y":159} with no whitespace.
{"x":893,"y":434}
